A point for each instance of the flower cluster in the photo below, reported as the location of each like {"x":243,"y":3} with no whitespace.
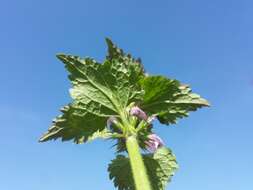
{"x":154,"y":141}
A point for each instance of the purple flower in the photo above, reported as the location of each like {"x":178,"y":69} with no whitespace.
{"x":154,"y":142}
{"x":136,"y":111}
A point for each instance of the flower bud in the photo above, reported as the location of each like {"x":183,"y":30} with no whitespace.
{"x":138,"y":112}
{"x":154,"y":142}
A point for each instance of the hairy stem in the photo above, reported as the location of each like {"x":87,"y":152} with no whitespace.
{"x":137,"y":165}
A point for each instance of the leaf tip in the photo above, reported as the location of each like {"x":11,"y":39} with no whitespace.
{"x":60,"y":56}
{"x":108,"y":41}
{"x":41,"y":139}
{"x":206,"y":103}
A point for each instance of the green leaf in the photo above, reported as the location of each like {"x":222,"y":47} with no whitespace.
{"x":99,"y":91}
{"x":104,"y":134}
{"x":75,"y":124}
{"x":168,"y":99}
{"x":160,"y":168}
{"x":120,"y":172}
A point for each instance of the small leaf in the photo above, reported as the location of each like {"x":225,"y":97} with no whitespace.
{"x":120,"y":172}
{"x":160,"y":168}
{"x":168,"y":99}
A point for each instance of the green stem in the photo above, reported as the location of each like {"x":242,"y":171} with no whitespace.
{"x":137,"y":165}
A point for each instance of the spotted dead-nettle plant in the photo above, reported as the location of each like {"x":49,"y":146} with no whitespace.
{"x":117,"y":100}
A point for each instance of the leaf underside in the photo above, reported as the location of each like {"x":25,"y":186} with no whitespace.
{"x":168,"y":99}
{"x":102,"y":90}
{"x":98,"y":91}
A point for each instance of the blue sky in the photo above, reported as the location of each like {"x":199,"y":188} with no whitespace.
{"x":207,"y":44}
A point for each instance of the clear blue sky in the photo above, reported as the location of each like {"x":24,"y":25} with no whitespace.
{"x":208,"y":44}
